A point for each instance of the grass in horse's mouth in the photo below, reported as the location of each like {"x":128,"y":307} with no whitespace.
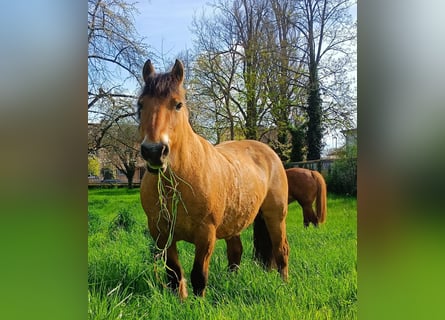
{"x":168,"y":192}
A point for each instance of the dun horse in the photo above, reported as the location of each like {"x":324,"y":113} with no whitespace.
{"x":306,"y":186}
{"x":219,"y":190}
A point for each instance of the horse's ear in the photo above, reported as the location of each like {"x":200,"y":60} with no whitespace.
{"x":148,"y":70}
{"x":178,"y":71}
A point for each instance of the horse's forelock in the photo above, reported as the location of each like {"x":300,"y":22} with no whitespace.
{"x":159,"y":85}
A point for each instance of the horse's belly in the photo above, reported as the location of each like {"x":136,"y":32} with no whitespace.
{"x":235,"y":222}
{"x":241,"y":208}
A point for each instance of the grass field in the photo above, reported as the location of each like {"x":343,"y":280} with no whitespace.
{"x":126,"y":283}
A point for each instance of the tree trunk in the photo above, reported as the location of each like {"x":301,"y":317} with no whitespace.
{"x":251,"y":103}
{"x":131,"y":169}
{"x":130,"y":181}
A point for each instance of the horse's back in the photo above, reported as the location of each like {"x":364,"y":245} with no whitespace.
{"x":301,"y":183}
{"x":256,"y":158}
{"x":251,"y":151}
{"x":262,"y":162}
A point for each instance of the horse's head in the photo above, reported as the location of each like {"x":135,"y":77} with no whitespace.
{"x":162,"y":113}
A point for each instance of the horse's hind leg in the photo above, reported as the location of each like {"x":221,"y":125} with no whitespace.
{"x":306,"y":219}
{"x":175,"y":276}
{"x":309,"y":215}
{"x":261,"y":242}
{"x":203,"y":251}
{"x":234,"y":252}
{"x":280,"y":246}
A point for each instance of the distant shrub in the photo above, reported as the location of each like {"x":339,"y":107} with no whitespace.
{"x":93,"y":166}
{"x":342,"y":176}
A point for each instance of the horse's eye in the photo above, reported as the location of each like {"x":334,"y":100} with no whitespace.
{"x":178,"y":106}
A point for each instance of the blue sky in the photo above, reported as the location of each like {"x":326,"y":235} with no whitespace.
{"x":166,"y":23}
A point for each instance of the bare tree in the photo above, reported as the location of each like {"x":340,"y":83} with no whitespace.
{"x":275,"y":69}
{"x":116,"y":55}
{"x":217,"y":76}
{"x":250,"y":30}
{"x":328,"y":32}
{"x":231,"y":46}
{"x":111,"y":112}
{"x":115,"y":51}
{"x":249,"y":69}
{"x":283,"y":84}
{"x":122,"y":148}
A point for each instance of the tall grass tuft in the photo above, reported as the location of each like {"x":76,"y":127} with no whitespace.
{"x":94,"y":222}
{"x":124,"y":221}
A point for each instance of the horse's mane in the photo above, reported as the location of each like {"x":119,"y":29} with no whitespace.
{"x":158,"y":85}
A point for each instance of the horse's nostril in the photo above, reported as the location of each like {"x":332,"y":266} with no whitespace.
{"x":154,"y":153}
{"x":145,"y":151}
{"x":165,"y":150}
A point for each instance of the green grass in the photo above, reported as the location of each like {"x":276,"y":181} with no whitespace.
{"x":126,"y":283}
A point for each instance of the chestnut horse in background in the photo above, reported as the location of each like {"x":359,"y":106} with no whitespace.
{"x":221,"y":189}
{"x":306,"y":186}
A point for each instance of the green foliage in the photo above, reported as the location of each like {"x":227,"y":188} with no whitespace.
{"x":342,"y":177}
{"x":314,"y":127}
{"x":125,"y":282}
{"x":298,"y":134}
{"x":93,"y":166}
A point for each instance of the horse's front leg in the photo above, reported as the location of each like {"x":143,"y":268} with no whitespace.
{"x":204,"y":244}
{"x":175,"y":275}
{"x":234,"y":252}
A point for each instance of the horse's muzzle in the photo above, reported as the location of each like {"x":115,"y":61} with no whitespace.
{"x":155,"y":154}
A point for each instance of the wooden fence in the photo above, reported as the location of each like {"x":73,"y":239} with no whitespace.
{"x":112,"y":185}
{"x":321,"y":165}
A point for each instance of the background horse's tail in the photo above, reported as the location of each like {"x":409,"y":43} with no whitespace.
{"x":262,"y":245}
{"x":321,"y":201}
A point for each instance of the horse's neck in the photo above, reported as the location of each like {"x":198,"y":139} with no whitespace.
{"x":191,"y":153}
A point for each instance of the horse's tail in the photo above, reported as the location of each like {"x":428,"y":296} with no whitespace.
{"x":321,"y":201}
{"x":262,"y":245}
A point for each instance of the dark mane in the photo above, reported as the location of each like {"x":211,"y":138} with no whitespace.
{"x":160,"y":85}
